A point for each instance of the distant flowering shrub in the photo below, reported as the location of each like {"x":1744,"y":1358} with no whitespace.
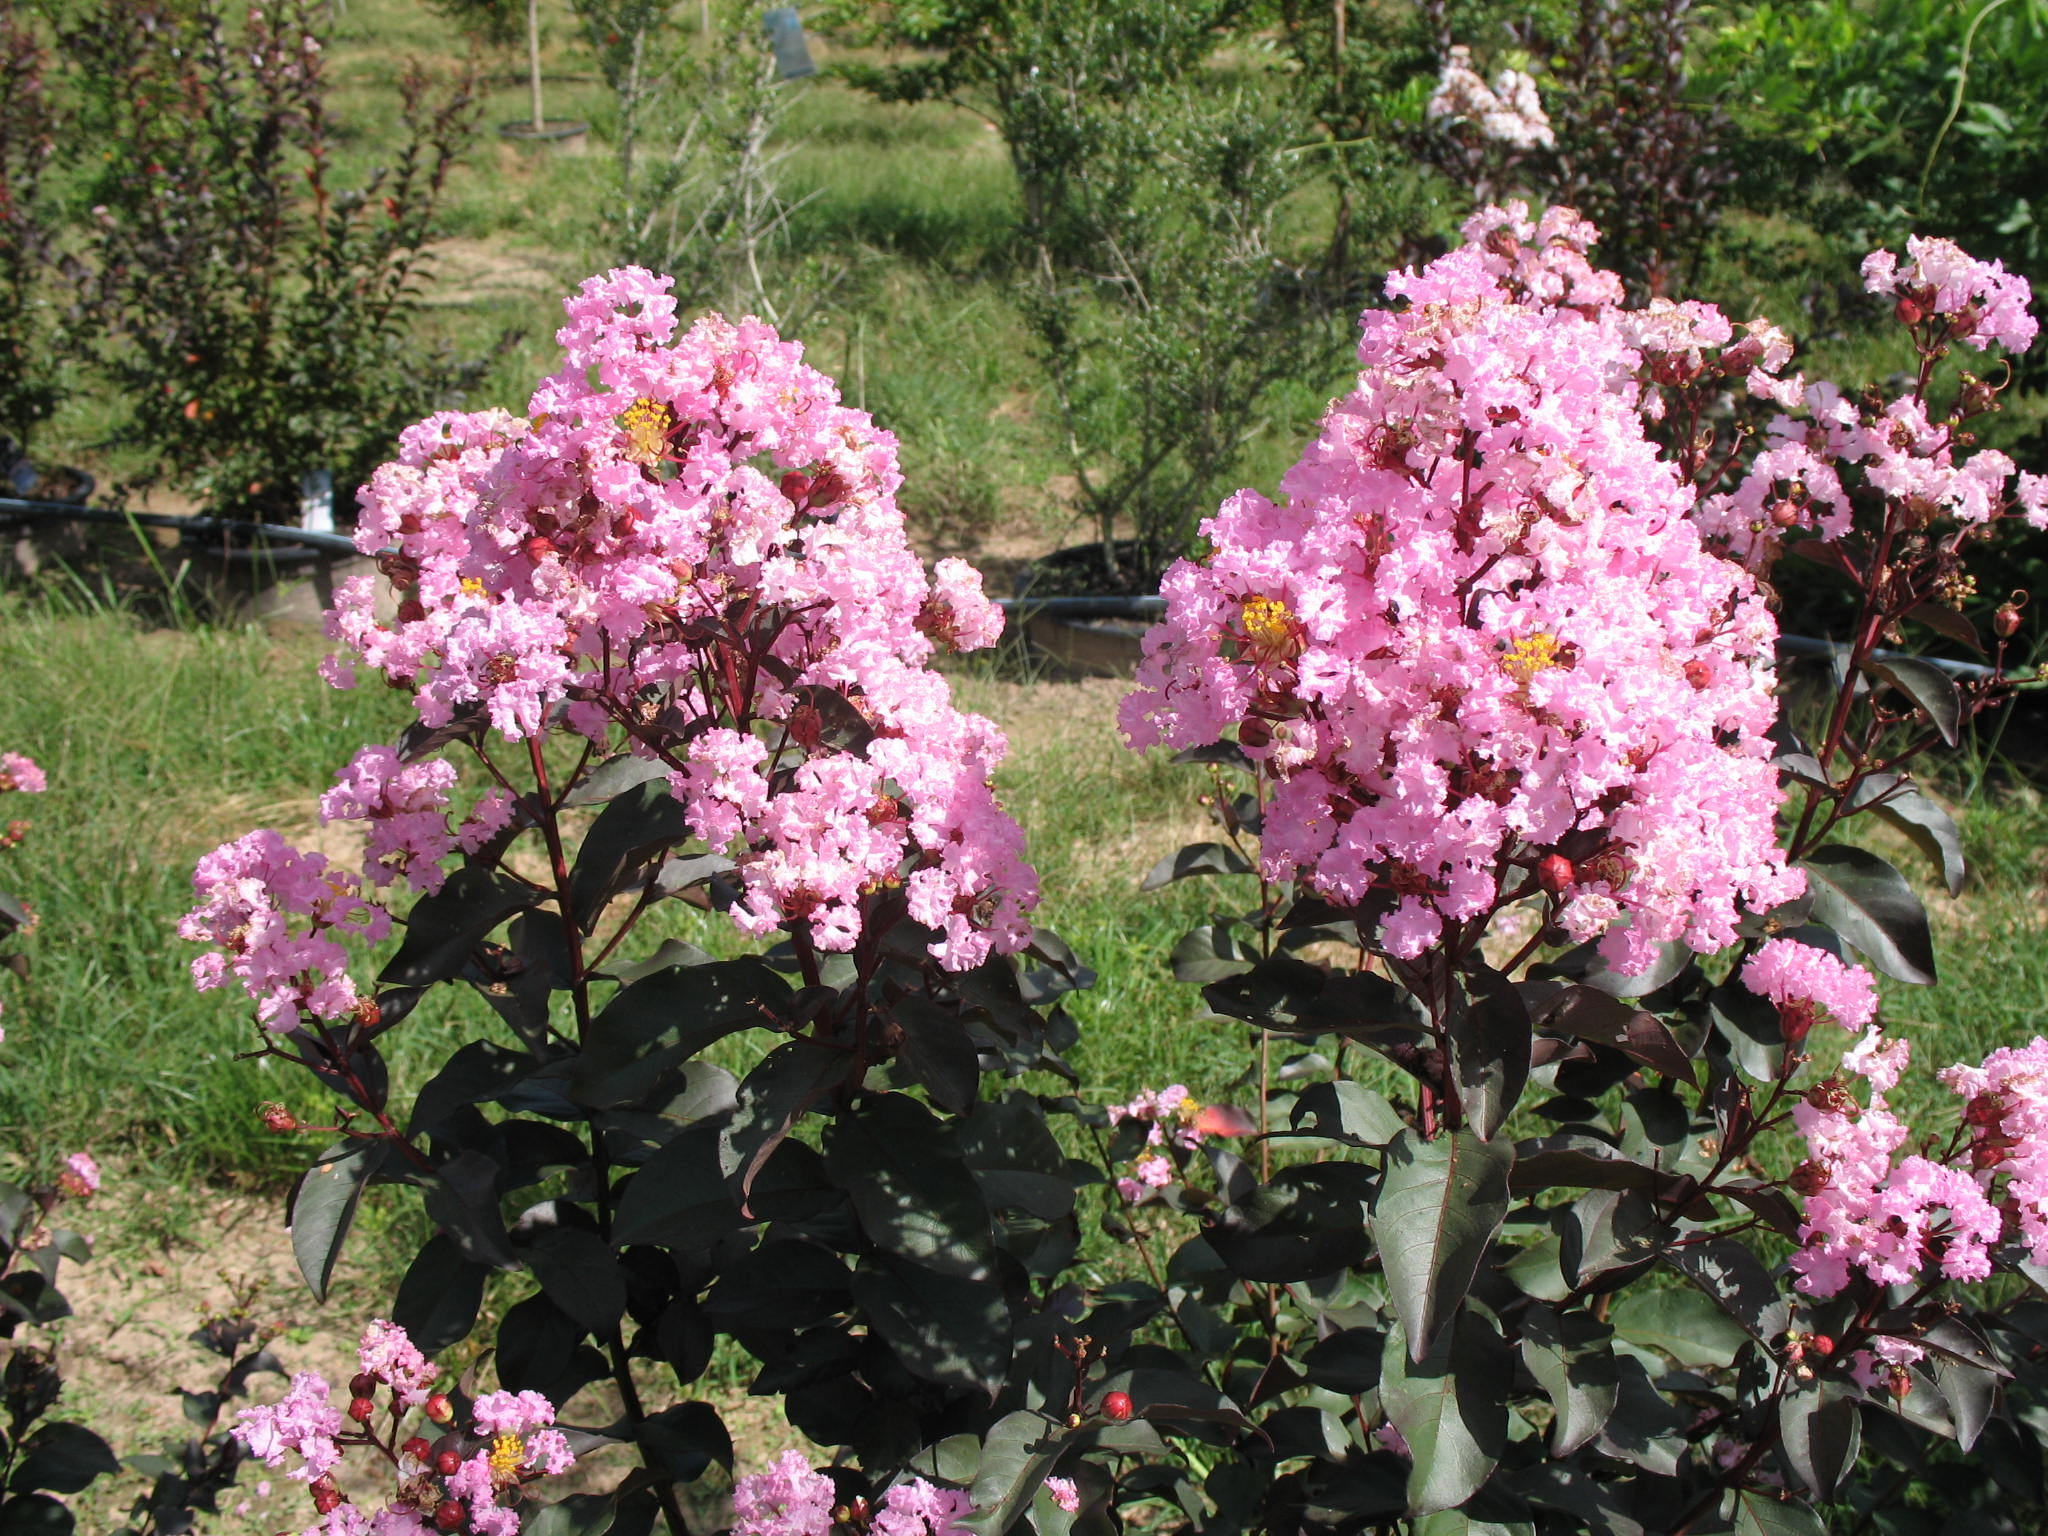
{"x":1510,"y":111}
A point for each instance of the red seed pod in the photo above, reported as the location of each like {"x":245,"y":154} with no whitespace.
{"x":327,"y":1499}
{"x":362,"y":1409}
{"x":2006,"y":621}
{"x":411,"y":611}
{"x":796,"y":485}
{"x":1821,"y":1345}
{"x":448,"y":1463}
{"x":1795,"y":1019}
{"x":1784,"y":514}
{"x":417,"y":1449}
{"x":362,"y":1384}
{"x":1901,"y":1383}
{"x":828,"y":488}
{"x":1698,"y":673}
{"x":277,"y":1118}
{"x":1556,"y":874}
{"x":538,"y":548}
{"x":1810,"y":1178}
{"x":1117,"y":1406}
{"x":439,"y":1409}
{"x":1984,"y":1156}
{"x":449,"y":1515}
{"x":1254,"y":734}
{"x":1906,"y":312}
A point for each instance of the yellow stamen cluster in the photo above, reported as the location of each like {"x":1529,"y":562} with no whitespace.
{"x":1187,"y":1109}
{"x":473,"y":586}
{"x":1524,"y":658}
{"x":1269,"y":627}
{"x":507,"y":1453}
{"x":647,"y":424}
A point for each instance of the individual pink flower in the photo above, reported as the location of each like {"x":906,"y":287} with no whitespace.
{"x":80,"y":1177}
{"x":1986,"y":303}
{"x":406,"y":807}
{"x":789,"y":1499}
{"x":2006,"y":1111}
{"x":303,"y":1421}
{"x":1808,"y":983}
{"x":20,"y":773}
{"x":1146,"y":1175}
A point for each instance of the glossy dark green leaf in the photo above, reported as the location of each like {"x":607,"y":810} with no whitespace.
{"x":577,"y":1273}
{"x":1607,"y":1236}
{"x":1294,"y":997}
{"x":1439,"y":1206}
{"x":663,"y":1019}
{"x":1870,"y":905}
{"x":1932,"y":830}
{"x":938,"y":1052}
{"x":684,"y":1440}
{"x":943,"y":1328}
{"x":1347,"y":1362}
{"x":1932,"y":690}
{"x":1572,"y":1160}
{"x":1019,"y":1450}
{"x":323,"y":1206}
{"x":1489,"y":1042}
{"x":1682,"y":1323}
{"x":442,"y":929}
{"x":1762,"y":1512}
{"x":910,"y":1187}
{"x":1572,"y":1358}
{"x":680,"y":1197}
{"x":631,"y":831}
{"x":1735,"y":1280}
{"x":61,"y":1458}
{"x":1348,"y":1112}
{"x":1451,"y":1407}
{"x":1309,"y":1221}
{"x":1211,"y":953}
{"x":480,"y":1073}
{"x":1196,"y":859}
{"x":1590,"y":1013}
{"x":1819,"y":1430}
{"x":440,"y":1296}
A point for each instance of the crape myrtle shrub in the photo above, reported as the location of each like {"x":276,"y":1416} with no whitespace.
{"x":1495,"y":681}
{"x":255,"y":319}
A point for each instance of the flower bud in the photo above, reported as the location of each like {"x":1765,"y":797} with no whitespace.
{"x":449,"y":1515}
{"x":1117,"y":1406}
{"x":417,"y":1449}
{"x":1555,"y":874}
{"x":796,"y":485}
{"x":362,"y":1384}
{"x":277,"y":1118}
{"x":1810,"y":1178}
{"x":2006,"y":622}
{"x":326,"y":1497}
{"x":448,"y":1463}
{"x":1784,"y":513}
{"x":362,"y":1409}
{"x":1698,"y":673}
{"x":1906,"y":312}
{"x":439,"y":1409}
{"x":1821,"y":1345}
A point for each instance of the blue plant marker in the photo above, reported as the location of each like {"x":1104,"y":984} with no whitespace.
{"x":786,"y":36}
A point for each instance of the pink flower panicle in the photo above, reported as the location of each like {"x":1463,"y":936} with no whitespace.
{"x":406,"y":807}
{"x":789,"y":1499}
{"x":918,"y":1508}
{"x":520,"y":1445}
{"x":692,"y":530}
{"x":1796,"y":479}
{"x":249,"y":892}
{"x":1481,"y":622}
{"x":20,"y":773}
{"x":1509,"y":112}
{"x":1808,"y":983}
{"x":1173,"y":1118}
{"x":1868,"y":1209}
{"x":2006,"y":1111}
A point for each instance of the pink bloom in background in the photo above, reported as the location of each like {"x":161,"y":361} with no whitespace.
{"x":789,"y":1499}
{"x":1993,"y":300}
{"x":18,"y":772}
{"x":1509,"y":112}
{"x":919,"y":1508}
{"x":80,"y":1177}
{"x":249,"y":892}
{"x":1482,"y":621}
{"x":1064,"y":1492}
{"x":1801,"y":979}
{"x":675,"y":498}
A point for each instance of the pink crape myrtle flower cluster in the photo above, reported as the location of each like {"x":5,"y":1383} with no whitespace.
{"x":20,"y":773}
{"x":1510,"y":111}
{"x":1796,"y":480}
{"x":1173,"y":1118}
{"x":1481,"y":621}
{"x":250,"y":892}
{"x":1808,"y":984}
{"x":1869,"y":1209}
{"x":685,"y":540}
{"x":2007,"y":1117}
{"x":791,"y":1499}
{"x":463,"y":1483}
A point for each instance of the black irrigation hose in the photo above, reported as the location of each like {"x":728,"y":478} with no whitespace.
{"x":1015,"y":607}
